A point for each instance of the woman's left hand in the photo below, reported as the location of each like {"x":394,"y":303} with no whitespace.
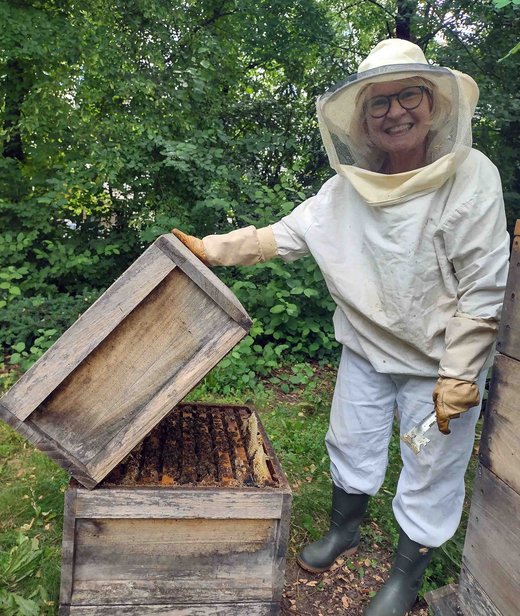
{"x":192,"y":243}
{"x":451,"y":397}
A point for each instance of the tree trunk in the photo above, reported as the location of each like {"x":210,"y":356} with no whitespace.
{"x":403,"y":19}
{"x":17,"y":88}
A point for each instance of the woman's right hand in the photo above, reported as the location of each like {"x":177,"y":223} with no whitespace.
{"x":192,"y":243}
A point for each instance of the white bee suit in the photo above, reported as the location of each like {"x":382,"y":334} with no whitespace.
{"x":430,"y":492}
{"x":417,"y":265}
{"x":402,"y":275}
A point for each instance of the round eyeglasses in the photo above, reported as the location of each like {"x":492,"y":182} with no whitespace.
{"x":409,"y":98}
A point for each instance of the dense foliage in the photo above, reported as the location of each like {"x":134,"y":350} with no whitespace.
{"x":123,"y":118}
{"x":120,"y":119}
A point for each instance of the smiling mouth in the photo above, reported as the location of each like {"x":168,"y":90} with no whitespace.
{"x":400,"y":129}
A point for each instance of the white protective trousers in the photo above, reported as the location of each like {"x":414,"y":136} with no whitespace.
{"x":430,"y":492}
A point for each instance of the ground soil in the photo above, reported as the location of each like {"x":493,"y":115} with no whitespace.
{"x":344,"y":590}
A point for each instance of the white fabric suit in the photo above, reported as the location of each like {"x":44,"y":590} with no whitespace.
{"x":399,"y":274}
{"x":416,"y":263}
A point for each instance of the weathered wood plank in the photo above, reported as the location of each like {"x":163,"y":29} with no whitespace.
{"x":443,"y":601}
{"x":132,"y":380}
{"x":473,"y":601}
{"x":172,"y":502}
{"x":87,"y":332}
{"x":47,"y":446}
{"x":273,"y":462}
{"x":183,"y":535}
{"x":215,"y":609}
{"x":492,"y":546}
{"x":500,"y":443}
{"x":204,"y":278}
{"x":508,"y":341}
{"x":68,"y":546}
{"x":193,"y":575}
{"x":223,"y":338}
{"x":135,"y":592}
{"x":197,"y":568}
{"x":127,"y":370}
{"x":281,"y":544}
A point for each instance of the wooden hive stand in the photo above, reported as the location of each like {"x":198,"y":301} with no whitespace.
{"x":490,"y":576}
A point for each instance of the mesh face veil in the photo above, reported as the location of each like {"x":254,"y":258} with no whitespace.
{"x":341,"y":112}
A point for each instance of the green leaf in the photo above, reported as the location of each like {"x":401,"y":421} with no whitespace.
{"x":26,"y":607}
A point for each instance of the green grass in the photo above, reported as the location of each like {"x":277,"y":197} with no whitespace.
{"x":32,"y":488}
{"x":31,"y":513}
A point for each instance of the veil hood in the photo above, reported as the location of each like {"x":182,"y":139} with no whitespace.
{"x":341,"y":122}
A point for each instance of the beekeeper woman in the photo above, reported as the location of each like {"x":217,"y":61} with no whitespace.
{"x":410,"y":235}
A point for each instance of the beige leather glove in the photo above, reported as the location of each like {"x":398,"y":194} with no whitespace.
{"x":192,"y":243}
{"x":451,"y":397}
{"x":246,"y":246}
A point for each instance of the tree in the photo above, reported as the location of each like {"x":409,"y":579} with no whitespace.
{"x":122,"y":119}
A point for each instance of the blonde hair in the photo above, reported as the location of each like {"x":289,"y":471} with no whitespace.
{"x":357,"y":133}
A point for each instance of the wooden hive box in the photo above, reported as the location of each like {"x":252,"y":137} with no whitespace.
{"x":136,"y":352}
{"x":194,"y":522}
{"x":489,"y":582}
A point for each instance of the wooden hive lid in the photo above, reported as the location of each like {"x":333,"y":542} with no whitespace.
{"x":125,"y":363}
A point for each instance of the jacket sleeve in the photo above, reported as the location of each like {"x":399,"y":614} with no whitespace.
{"x":477,"y":245}
{"x":246,"y":246}
{"x":290,"y":231}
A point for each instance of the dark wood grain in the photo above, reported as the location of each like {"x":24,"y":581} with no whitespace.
{"x":444,"y":601}
{"x":492,"y":547}
{"x":500,"y":441}
{"x":473,"y":601}
{"x":216,"y":609}
{"x":68,"y":546}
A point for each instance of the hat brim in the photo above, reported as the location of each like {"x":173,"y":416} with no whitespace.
{"x":338,"y":104}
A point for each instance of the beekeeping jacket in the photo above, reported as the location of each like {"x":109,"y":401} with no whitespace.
{"x":416,"y":262}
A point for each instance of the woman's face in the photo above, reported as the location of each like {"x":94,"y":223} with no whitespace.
{"x":400,"y":130}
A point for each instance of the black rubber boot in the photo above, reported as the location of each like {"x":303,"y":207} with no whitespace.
{"x":343,"y":537}
{"x":400,"y":591}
